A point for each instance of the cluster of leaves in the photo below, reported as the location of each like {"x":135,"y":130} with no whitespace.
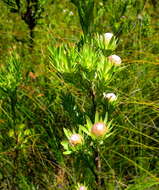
{"x":89,"y":70}
{"x":10,"y":75}
{"x":38,"y":101}
{"x":83,"y":146}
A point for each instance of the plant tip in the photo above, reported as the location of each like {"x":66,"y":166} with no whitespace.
{"x":75,"y":139}
{"x":99,"y":129}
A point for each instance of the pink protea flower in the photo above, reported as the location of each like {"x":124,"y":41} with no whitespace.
{"x":99,"y":129}
{"x":115,"y":59}
{"x":75,"y":139}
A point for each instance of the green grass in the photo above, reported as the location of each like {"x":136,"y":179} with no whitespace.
{"x":59,"y":83}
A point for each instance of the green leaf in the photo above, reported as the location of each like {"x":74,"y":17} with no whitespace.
{"x":11,"y":133}
{"x":106,"y":118}
{"x":89,"y":122}
{"x":67,"y":152}
{"x":67,"y":133}
{"x":27,"y":132}
{"x":65,"y":144}
{"x":84,"y":130}
{"x":96,"y":117}
{"x":21,"y":126}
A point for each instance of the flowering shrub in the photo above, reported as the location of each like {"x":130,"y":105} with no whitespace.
{"x":88,"y":144}
{"x":81,"y":83}
{"x":89,"y":70}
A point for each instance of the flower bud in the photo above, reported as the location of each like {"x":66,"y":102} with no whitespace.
{"x":107,"y":37}
{"x":75,"y":139}
{"x":115,"y":59}
{"x":110,"y":96}
{"x":82,"y":188}
{"x":99,"y":129}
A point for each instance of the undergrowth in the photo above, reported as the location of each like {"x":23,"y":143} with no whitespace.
{"x":58,"y":86}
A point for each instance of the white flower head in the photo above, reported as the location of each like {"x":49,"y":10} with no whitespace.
{"x":115,"y":59}
{"x":110,"y":96}
{"x":75,"y":139}
{"x":71,"y":13}
{"x":108,"y":36}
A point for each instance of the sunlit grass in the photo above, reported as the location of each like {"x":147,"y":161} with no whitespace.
{"x":38,"y":101}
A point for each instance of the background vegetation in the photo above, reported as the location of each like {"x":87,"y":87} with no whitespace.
{"x":38,"y":98}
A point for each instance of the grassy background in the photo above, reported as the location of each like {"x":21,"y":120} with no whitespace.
{"x":38,"y":104}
